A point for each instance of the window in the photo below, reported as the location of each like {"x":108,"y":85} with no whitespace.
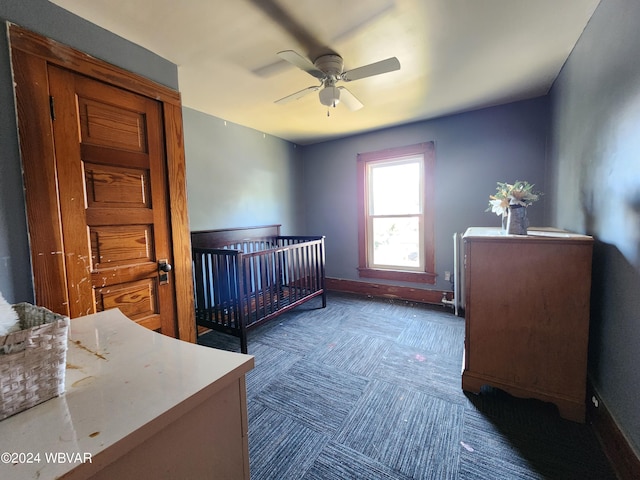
{"x":395,"y":190}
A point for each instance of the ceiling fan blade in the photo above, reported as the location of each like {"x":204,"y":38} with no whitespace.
{"x":297,"y":95}
{"x":383,"y":66}
{"x":301,"y":62}
{"x":349,"y":100}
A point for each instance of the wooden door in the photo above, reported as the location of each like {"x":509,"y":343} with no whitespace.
{"x":110,"y":163}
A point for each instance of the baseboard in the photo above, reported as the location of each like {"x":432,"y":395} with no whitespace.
{"x":623,"y":458}
{"x":388,"y":291}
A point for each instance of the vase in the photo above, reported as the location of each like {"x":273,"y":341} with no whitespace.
{"x":505,"y":218}
{"x":517,"y":221}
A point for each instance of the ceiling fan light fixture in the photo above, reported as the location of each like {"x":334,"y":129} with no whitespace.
{"x":330,"y":96}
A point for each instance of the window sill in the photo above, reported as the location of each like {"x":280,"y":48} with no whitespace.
{"x":399,"y":275}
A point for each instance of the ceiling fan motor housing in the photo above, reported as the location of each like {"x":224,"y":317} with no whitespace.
{"x":331,"y":65}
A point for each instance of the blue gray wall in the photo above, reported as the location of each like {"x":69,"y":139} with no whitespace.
{"x":591,"y":185}
{"x":237,"y":176}
{"x":473,"y":151}
{"x":47,"y":19}
{"x":595,"y":161}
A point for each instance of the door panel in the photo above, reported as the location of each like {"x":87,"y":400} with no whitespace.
{"x":115,"y":186}
{"x":112,"y":246}
{"x":112,"y":183}
{"x":112,"y":126}
{"x":136,"y":299}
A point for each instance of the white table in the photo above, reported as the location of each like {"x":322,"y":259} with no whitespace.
{"x":137,"y":405}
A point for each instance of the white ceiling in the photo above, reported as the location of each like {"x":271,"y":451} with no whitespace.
{"x":455,"y":55}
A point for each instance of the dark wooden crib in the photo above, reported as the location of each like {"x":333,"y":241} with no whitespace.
{"x":244,"y":277}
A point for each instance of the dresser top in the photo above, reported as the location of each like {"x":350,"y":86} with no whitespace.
{"x":533,"y":233}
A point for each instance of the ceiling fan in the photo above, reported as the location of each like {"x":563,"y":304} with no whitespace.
{"x":329,"y":70}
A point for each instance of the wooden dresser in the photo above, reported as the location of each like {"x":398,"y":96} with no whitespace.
{"x":138,"y":404}
{"x":527,"y":315}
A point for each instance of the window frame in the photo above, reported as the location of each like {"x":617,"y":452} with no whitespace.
{"x":365,"y":270}
{"x":370,"y":218}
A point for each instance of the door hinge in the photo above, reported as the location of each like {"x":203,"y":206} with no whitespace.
{"x":52,"y":107}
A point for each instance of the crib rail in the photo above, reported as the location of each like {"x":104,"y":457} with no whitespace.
{"x":249,"y":282}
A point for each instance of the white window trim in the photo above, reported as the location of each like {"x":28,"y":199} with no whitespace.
{"x":420,"y":215}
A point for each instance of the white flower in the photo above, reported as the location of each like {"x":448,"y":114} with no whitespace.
{"x":497,"y":207}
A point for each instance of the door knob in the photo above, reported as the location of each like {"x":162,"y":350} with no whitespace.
{"x":164,"y":267}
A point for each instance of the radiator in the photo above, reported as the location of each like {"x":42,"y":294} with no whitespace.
{"x":458,"y":275}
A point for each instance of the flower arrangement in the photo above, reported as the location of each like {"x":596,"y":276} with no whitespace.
{"x":519,"y":193}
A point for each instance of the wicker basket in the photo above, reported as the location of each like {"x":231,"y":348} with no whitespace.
{"x":32,"y":360}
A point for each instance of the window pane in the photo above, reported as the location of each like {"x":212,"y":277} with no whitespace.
{"x":396,"y":242}
{"x":395,"y":189}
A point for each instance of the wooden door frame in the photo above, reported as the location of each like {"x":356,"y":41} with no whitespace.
{"x":31,"y":53}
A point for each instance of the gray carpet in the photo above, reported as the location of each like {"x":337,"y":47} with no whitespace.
{"x":370,"y":389}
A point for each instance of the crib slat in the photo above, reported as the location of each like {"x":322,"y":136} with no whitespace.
{"x":305,"y":268}
{"x":198,"y":283}
{"x":271,"y":266}
{"x":261,"y":294}
{"x":297,"y":262}
{"x":293,"y":288}
{"x":312,"y":268}
{"x":300,"y":271}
